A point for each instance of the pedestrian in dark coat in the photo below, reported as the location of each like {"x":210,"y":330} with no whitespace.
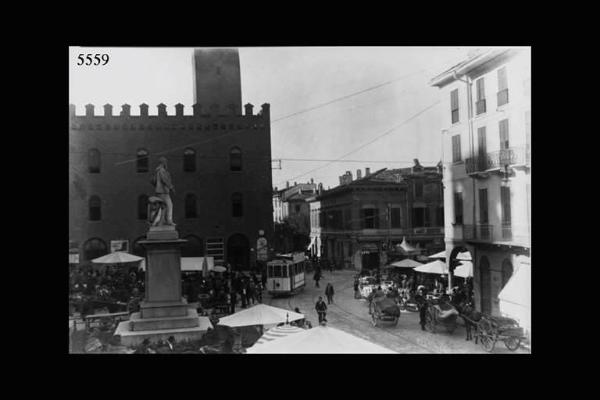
{"x":321,"y":308}
{"x":317,"y":277}
{"x":329,"y":293}
{"x":422,"y":305}
{"x":233,"y":300}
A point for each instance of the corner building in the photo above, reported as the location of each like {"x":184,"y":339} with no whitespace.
{"x":487,"y":175}
{"x":220,"y":161}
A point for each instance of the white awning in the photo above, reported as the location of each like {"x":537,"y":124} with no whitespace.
{"x":518,"y":288}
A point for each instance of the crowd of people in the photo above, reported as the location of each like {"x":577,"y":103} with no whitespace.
{"x":109,"y":283}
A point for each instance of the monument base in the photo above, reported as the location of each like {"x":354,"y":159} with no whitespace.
{"x":132,"y":338}
{"x":162,"y":232}
{"x":139,"y":323}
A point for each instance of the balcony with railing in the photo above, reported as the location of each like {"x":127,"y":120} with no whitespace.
{"x":498,"y":159}
{"x":428,"y":231}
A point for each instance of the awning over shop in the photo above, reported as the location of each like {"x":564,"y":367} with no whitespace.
{"x":434,"y":267}
{"x":464,"y":270}
{"x":518,"y":288}
{"x":406,"y":263}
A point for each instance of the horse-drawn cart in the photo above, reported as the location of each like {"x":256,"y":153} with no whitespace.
{"x":440,"y":313}
{"x":384,"y":309}
{"x":492,"y":329}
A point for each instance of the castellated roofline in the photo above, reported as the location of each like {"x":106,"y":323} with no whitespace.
{"x":199,"y":111}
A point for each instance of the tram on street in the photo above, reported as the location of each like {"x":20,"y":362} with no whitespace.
{"x":286,"y":274}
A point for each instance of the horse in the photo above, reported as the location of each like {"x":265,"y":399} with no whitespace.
{"x":468,"y":313}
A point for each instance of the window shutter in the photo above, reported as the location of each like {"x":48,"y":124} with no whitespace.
{"x":504,"y":143}
{"x":483,"y":206}
{"x":480,"y":89}
{"x":505,"y":198}
{"x":502,"y":82}
{"x":454,"y":99}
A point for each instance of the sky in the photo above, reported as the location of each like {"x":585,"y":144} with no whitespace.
{"x":379,"y":112}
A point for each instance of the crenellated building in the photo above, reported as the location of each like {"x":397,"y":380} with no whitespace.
{"x":487,"y":173}
{"x":219,"y":158}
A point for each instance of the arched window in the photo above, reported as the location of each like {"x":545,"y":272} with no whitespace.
{"x":143,"y":207}
{"x":237,"y":206}
{"x":507,"y":271}
{"x":190,"y":206}
{"x":189,"y":160}
{"x":94,"y":161}
{"x":194,"y":247}
{"x":94,"y":248}
{"x":142,"y":160}
{"x":95,"y":209}
{"x":235,"y":159}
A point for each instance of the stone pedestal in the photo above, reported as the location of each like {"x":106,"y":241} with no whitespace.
{"x":163,"y":312}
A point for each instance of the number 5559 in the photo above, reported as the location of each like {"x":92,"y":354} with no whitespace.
{"x":92,"y":59}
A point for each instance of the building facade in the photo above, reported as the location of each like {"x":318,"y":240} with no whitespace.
{"x":219,"y":159}
{"x":487,"y":170}
{"x":355,"y":224}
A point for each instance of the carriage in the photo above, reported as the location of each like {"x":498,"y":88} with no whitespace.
{"x":492,"y":329}
{"x":384,"y":309}
{"x":286,"y":274}
{"x":440,"y":313}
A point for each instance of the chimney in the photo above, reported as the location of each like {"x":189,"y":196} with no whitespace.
{"x":367,"y":171}
{"x":287,"y":184}
{"x":312,"y":181}
{"x":295,"y":183}
{"x":358,"y":174}
{"x":320,"y":188}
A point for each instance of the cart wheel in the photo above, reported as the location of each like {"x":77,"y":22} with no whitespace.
{"x":512,"y":343}
{"x":487,"y":342}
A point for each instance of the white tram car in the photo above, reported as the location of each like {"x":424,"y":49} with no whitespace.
{"x":286,"y":274}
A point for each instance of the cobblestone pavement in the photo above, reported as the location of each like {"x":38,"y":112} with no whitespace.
{"x":352,"y":315}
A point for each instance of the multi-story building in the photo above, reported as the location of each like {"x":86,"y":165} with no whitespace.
{"x":291,"y":203}
{"x":220,"y":161}
{"x":355,"y":224}
{"x":486,"y":103}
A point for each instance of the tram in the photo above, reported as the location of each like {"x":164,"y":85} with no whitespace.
{"x":286,"y":274}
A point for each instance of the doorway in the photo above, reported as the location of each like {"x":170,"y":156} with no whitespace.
{"x":486,"y":286}
{"x":238,"y":252}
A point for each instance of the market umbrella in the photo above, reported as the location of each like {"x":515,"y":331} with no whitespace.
{"x":319,"y":340}
{"x":441,"y":254}
{"x":118,"y":257}
{"x":464,"y":270}
{"x":278,"y":332}
{"x":465,"y":256}
{"x":406,"y":263}
{"x":260,"y":314}
{"x":218,"y":268}
{"x":434,"y":267}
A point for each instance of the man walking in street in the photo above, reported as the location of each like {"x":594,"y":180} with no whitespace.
{"x":422,"y":304}
{"x":329,"y":293}
{"x":321,"y":308}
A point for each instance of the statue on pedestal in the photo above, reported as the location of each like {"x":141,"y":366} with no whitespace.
{"x":160,"y":205}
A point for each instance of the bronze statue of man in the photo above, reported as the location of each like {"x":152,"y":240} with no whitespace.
{"x":163,"y":187}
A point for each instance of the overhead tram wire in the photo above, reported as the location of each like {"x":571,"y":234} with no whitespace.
{"x":346,"y":96}
{"x":368,"y":143}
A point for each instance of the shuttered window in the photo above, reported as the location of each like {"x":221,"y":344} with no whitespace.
{"x":454,"y":105}
{"x":502,"y":87}
{"x":456,"y":148}
{"x":503,"y":127}
{"x":480,"y":103}
{"x":505,"y":203}
{"x":483,"y":206}
{"x":395,"y":216}
{"x":458,"y":208}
